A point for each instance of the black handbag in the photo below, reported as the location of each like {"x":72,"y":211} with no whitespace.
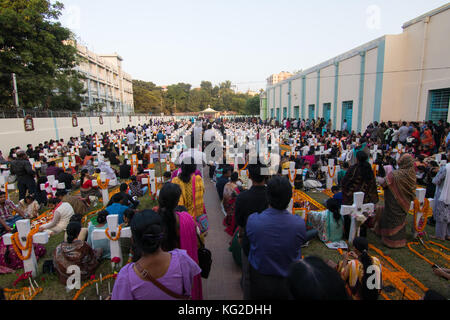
{"x":204,"y":259}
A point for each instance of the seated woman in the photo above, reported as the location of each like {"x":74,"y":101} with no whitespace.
{"x":62,"y":212}
{"x":173,"y":271}
{"x":86,"y":189}
{"x":329,"y":223}
{"x":310,"y":178}
{"x":75,"y":252}
{"x":104,"y":243}
{"x":355,"y":272}
{"x":84,"y":231}
{"x":29,"y":206}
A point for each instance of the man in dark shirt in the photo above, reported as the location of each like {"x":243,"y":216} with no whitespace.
{"x":123,"y":194}
{"x":67,"y":178}
{"x":248,"y":202}
{"x":222,"y":181}
{"x":124,"y":170}
{"x":53,"y":170}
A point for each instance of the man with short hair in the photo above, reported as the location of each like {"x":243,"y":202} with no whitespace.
{"x":21,"y":167}
{"x":7,"y":220}
{"x":403,"y":133}
{"x":276,"y":237}
{"x":248,"y":202}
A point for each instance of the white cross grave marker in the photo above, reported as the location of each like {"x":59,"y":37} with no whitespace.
{"x":356,"y":211}
{"x":420,"y":195}
{"x":23,"y":228}
{"x":114,"y":245}
{"x":331,"y":171}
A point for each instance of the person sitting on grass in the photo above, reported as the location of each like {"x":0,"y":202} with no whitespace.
{"x":355,"y":272}
{"x":124,"y":170}
{"x":136,"y":189}
{"x":62,"y":212}
{"x":75,"y":252}
{"x":84,"y":231}
{"x":29,"y":206}
{"x":118,"y":206}
{"x":329,"y":223}
{"x":103,"y":243}
{"x":78,"y":204}
{"x":130,"y":202}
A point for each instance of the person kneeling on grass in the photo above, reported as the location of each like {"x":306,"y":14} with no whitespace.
{"x":62,"y":212}
{"x":75,"y":252}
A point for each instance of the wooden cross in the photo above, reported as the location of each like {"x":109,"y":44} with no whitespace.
{"x":113,"y":230}
{"x":331,"y":171}
{"x":23,"y":228}
{"x":359,"y":213}
{"x":420,"y":195}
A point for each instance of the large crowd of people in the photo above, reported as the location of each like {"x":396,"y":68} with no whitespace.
{"x":267,"y":238}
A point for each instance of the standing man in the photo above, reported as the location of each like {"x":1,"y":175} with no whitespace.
{"x":276,"y":237}
{"x":82,"y":134}
{"x":131,"y":138}
{"x":21,"y":167}
{"x":403,"y":133}
{"x":248,"y":202}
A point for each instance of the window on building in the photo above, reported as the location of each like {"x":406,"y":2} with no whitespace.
{"x":438,"y":103}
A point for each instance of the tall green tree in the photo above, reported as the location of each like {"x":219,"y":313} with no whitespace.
{"x":37,"y":48}
{"x":252,"y":105}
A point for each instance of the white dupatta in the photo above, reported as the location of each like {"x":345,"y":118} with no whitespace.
{"x":445,"y":193}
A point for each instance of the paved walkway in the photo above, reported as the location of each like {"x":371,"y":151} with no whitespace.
{"x":224,"y":280}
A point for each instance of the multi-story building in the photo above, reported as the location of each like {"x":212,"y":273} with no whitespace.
{"x":400,"y":77}
{"x":106,"y":83}
{"x":277,"y":77}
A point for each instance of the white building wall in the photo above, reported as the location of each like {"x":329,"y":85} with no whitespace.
{"x":349,"y":70}
{"x":326,"y":89}
{"x":311,"y":93}
{"x":369,"y":87}
{"x":284,"y":98}
{"x":297,"y":96}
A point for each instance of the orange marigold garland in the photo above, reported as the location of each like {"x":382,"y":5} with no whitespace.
{"x":103,"y":185}
{"x":116,"y":237}
{"x":17,"y":246}
{"x":90,"y":282}
{"x":295,"y":175}
{"x":427,"y":212}
{"x":334,"y":172}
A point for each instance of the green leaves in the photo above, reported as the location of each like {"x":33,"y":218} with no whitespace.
{"x":35,"y":46}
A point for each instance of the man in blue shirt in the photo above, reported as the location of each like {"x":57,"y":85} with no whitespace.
{"x":118,"y":207}
{"x":276,"y":237}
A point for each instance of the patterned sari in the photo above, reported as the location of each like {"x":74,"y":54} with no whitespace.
{"x":194,"y":188}
{"x":400,"y":191}
{"x":230,"y":192}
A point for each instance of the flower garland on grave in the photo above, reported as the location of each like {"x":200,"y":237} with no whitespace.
{"x":289,"y":175}
{"x":329,"y":173}
{"x":91,"y":282}
{"x":119,"y":229}
{"x":425,"y":209}
{"x":16,"y":294}
{"x":328,"y":192}
{"x":445,"y":256}
{"x":17,"y":246}
{"x":103,"y":185}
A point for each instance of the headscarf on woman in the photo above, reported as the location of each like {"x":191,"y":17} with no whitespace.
{"x":402,"y":182}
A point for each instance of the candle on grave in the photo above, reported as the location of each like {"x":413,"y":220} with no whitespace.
{"x":96,"y":287}
{"x":109,"y":288}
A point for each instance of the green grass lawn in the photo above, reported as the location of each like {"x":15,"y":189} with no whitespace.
{"x":54,"y":290}
{"x":414,"y":265}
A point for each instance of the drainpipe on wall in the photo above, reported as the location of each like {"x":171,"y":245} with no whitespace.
{"x":422,"y":64}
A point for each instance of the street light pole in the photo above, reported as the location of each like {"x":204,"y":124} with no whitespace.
{"x":16,"y":94}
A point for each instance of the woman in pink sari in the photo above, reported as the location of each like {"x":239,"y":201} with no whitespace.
{"x":179,"y":230}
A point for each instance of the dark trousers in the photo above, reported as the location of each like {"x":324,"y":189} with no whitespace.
{"x":212,"y":170}
{"x":267,"y":287}
{"x":24,"y":184}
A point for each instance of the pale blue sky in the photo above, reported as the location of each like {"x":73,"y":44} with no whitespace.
{"x":243,"y":41}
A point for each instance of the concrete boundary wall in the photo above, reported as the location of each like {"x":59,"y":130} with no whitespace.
{"x":13,"y":134}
